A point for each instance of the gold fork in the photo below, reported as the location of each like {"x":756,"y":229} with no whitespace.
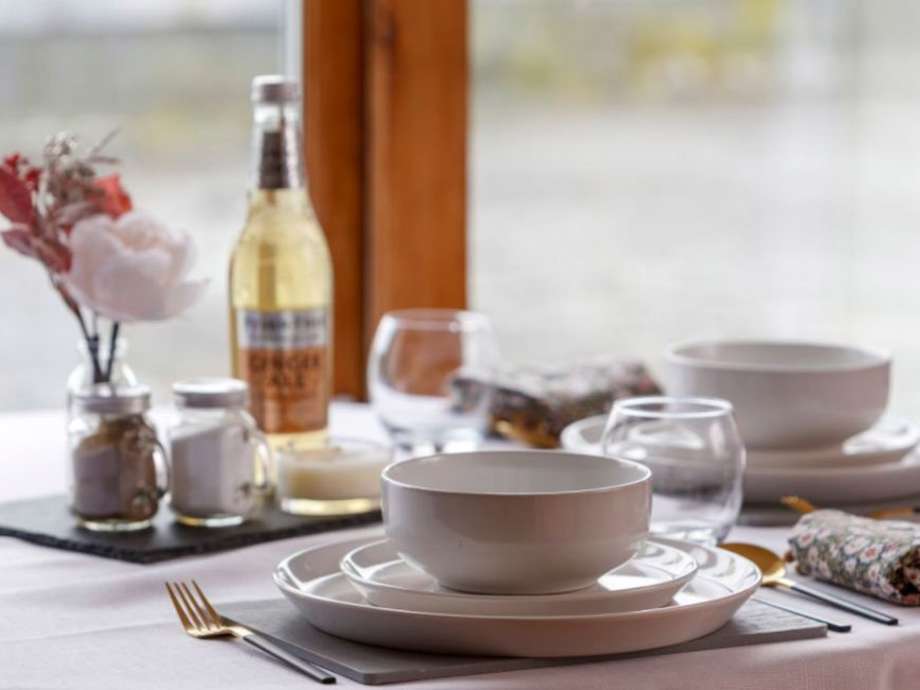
{"x":200,"y":620}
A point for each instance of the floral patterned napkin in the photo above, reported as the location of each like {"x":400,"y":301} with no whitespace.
{"x":877,"y":557}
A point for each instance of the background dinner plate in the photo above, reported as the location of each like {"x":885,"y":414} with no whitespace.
{"x":831,"y":485}
{"x":888,"y":441}
{"x":312,"y":582}
{"x":883,"y":471}
{"x":649,"y":580}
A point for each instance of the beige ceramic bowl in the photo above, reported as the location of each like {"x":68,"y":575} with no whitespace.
{"x":516,"y":522}
{"x":786,"y":395}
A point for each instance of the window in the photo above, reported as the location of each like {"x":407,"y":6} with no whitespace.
{"x":645,"y":172}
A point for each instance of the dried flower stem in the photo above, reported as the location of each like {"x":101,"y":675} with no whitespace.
{"x":113,"y":342}
{"x":74,"y":308}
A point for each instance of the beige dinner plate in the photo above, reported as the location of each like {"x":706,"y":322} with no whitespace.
{"x":312,"y":582}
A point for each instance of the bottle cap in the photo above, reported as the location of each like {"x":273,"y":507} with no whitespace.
{"x":275,"y":88}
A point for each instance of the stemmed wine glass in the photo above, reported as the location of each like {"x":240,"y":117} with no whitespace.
{"x":428,"y":377}
{"x":696,"y":456}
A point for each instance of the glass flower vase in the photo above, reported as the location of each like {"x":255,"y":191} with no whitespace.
{"x":81,"y":378}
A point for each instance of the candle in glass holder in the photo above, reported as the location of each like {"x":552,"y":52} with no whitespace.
{"x":342,"y":478}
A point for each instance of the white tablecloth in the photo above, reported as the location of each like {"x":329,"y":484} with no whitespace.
{"x":74,"y":621}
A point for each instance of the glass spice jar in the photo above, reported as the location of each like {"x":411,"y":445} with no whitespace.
{"x":220,"y":463}
{"x":118,"y":467}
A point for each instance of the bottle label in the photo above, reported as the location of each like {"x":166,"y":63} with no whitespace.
{"x":283,"y":356}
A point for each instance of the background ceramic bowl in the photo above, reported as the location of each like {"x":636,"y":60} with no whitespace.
{"x":786,"y":395}
{"x":516,"y":522}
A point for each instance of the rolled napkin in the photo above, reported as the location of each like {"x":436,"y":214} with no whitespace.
{"x":534,"y":404}
{"x":876,"y":557}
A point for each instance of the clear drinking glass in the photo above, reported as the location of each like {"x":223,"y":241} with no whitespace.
{"x":696,"y":456}
{"x":429,"y":375}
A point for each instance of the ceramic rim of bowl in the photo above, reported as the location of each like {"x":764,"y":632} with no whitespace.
{"x":386,"y":475}
{"x":676,"y":354}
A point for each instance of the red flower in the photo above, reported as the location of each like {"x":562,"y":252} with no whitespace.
{"x":54,"y":254}
{"x":19,"y":238}
{"x":32,"y":177}
{"x":15,"y":197}
{"x":113,"y":200}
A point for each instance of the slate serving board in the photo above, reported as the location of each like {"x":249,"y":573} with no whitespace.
{"x":48,"y":522}
{"x":755,"y":623}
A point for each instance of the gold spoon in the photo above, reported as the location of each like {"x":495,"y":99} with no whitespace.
{"x":774,"y":575}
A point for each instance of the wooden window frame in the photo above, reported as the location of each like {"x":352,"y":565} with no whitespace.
{"x":386,"y":89}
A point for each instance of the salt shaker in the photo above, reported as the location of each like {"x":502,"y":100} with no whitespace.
{"x":118,"y":468}
{"x":220,"y":464}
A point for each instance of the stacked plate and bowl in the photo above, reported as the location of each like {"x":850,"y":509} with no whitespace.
{"x":813,"y":417}
{"x":517,"y":553}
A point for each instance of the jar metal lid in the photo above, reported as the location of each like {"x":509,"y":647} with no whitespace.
{"x":211,"y":392}
{"x":107,"y":399}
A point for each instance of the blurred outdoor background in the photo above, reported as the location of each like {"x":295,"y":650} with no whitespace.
{"x":641,"y":172}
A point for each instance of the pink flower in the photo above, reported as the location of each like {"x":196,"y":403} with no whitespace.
{"x":132,"y":268}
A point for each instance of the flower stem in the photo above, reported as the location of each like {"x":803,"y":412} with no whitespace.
{"x":113,"y":341}
{"x":71,"y":304}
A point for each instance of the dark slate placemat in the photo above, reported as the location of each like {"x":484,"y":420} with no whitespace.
{"x":754,"y":623}
{"x":47,"y":521}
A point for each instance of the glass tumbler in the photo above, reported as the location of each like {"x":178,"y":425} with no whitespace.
{"x":696,"y":456}
{"x":429,"y":377}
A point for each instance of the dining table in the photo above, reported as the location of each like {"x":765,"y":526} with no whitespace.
{"x":70,"y":620}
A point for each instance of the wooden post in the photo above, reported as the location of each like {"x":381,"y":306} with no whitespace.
{"x":333,"y":78}
{"x":385,"y":84}
{"x":417,"y":126}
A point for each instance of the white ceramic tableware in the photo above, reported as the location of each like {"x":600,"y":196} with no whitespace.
{"x":786,"y":395}
{"x":835,"y":485}
{"x":649,"y":580}
{"x":311,"y":581}
{"x":584,"y":436}
{"x":886,"y":442}
{"x":516,"y":522}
